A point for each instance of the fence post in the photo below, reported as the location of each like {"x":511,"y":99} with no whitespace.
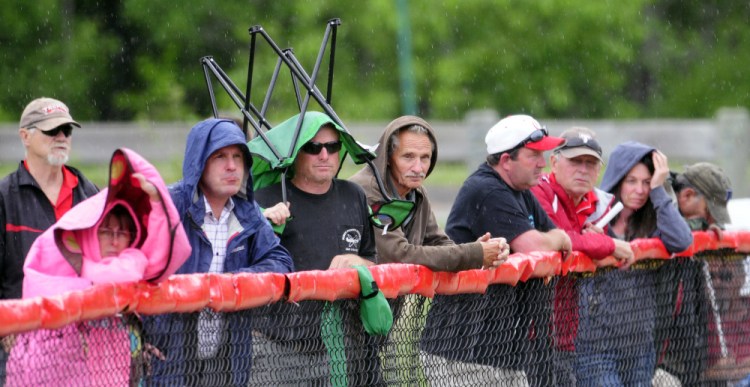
{"x":733,"y":137}
{"x":478,"y":122}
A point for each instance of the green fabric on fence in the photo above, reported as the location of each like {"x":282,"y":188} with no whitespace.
{"x":332,"y":333}
{"x":376,"y":314}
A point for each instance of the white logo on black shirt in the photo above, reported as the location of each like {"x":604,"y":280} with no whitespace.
{"x":352,"y":237}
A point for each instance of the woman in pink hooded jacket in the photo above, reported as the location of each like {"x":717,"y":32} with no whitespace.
{"x":141,"y":240}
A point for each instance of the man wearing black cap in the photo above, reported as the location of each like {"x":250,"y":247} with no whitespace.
{"x":37,"y":194}
{"x":42,"y":189}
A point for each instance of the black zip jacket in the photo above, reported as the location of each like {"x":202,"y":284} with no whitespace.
{"x":25,"y":212}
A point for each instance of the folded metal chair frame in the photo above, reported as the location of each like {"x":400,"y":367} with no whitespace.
{"x":389,"y":215}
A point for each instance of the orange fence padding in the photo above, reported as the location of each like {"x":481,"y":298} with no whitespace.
{"x":230,"y":292}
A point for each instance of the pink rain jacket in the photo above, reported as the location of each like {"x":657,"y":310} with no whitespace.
{"x":66,"y":258}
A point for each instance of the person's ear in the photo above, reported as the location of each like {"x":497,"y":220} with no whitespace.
{"x":24,"y":134}
{"x":690,"y":192}
{"x":552,"y":161}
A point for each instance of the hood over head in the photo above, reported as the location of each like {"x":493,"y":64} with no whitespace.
{"x":267,"y":167}
{"x":205,"y":138}
{"x":365,"y":176}
{"x":384,"y":143}
{"x":75,"y":234}
{"x":622,"y":159}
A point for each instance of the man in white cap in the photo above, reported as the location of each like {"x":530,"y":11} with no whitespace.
{"x":41,"y":190}
{"x":496,"y":199}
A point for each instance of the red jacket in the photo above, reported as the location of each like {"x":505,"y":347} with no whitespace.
{"x":570,"y":218}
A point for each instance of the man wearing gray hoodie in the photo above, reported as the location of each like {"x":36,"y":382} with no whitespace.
{"x":406,"y":154}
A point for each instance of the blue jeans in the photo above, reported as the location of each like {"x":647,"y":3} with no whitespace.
{"x":615,"y":368}
{"x":615,"y":342}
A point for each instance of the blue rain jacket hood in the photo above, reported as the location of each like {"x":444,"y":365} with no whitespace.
{"x":252,"y":247}
{"x":205,"y":138}
{"x":621,"y":160}
{"x":262,"y":252}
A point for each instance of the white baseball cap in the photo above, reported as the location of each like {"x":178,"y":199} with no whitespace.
{"x":519,"y":130}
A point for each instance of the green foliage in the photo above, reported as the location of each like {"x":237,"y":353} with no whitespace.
{"x":139,"y":59}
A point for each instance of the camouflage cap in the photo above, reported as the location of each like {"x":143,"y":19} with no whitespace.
{"x":714,"y":185}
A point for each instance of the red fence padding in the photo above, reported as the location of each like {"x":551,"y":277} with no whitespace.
{"x":104,"y":300}
{"x":61,"y":310}
{"x":228,"y":292}
{"x":469,"y":281}
{"x":578,"y":262}
{"x":396,"y":279}
{"x":223,"y":297}
{"x":329,"y":285}
{"x":255,"y":290}
{"x":543,"y":264}
{"x":651,"y":248}
{"x":20,"y":315}
{"x":510,"y":272}
{"x":179,"y":293}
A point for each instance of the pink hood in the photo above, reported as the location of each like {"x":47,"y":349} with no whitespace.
{"x":66,"y":256}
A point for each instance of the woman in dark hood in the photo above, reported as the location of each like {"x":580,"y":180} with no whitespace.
{"x":617,"y":308}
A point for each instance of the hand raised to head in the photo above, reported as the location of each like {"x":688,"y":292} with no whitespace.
{"x":147,"y":187}
{"x":661,"y":169}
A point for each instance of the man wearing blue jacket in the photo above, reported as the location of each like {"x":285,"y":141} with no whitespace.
{"x":228,"y":234}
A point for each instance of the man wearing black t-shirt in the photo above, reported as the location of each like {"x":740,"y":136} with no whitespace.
{"x":329,"y":228}
{"x":496,"y":199}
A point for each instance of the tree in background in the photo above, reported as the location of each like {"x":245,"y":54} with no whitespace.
{"x":139,"y":59}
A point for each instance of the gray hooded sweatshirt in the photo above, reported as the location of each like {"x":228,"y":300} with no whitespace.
{"x":670,"y":226}
{"x":420,"y":241}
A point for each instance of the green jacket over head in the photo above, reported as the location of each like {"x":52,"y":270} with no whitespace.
{"x":267,"y":168}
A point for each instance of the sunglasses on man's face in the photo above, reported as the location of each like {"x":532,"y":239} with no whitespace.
{"x":315,"y":148}
{"x":66,"y":129}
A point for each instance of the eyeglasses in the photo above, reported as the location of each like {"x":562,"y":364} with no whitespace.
{"x":66,"y":129}
{"x":314,"y":148}
{"x":110,"y":234}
